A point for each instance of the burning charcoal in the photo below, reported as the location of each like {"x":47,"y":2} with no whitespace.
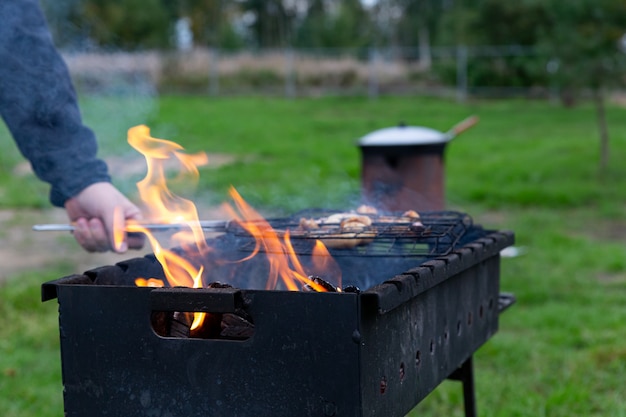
{"x":236,"y":327}
{"x":352,"y":289}
{"x":224,"y":326}
{"x":160,"y":322}
{"x":244,"y":315}
{"x":181,"y":324}
{"x":218,"y":325}
{"x":218,"y":285}
{"x":321,"y":282}
{"x":210,"y":328}
{"x":171,"y":324}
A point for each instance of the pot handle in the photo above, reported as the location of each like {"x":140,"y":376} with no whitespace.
{"x":463,"y":126}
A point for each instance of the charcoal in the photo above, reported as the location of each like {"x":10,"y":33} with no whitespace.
{"x":210,"y":328}
{"x":160,"y":322}
{"x":321,"y":282}
{"x":171,"y":324}
{"x":180,"y":325}
{"x":352,"y":289}
{"x":218,"y":285}
{"x":236,"y":327}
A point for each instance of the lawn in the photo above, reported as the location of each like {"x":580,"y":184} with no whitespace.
{"x":528,"y":166}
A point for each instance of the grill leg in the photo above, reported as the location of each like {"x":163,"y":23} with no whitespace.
{"x":465,"y":374}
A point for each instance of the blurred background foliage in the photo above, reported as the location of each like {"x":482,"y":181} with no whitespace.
{"x":564,"y":51}
{"x":583,"y":38}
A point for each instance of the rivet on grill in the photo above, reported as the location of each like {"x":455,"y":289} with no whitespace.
{"x":418,"y":358}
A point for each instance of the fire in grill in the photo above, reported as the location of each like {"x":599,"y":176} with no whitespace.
{"x":396,"y":304}
{"x":424,"y":307}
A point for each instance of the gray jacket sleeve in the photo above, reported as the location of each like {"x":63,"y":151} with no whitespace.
{"x":38,"y":103}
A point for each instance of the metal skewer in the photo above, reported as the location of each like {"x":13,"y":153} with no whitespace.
{"x":213,"y":225}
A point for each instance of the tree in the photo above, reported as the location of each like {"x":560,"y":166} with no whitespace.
{"x":334,"y":24}
{"x":500,"y":24}
{"x":584,"y":38}
{"x":206,"y":20}
{"x":129,"y":24}
{"x":311,"y":32}
{"x":456,"y":20}
{"x":386,"y":16}
{"x":271,"y":23}
{"x":418,"y":25}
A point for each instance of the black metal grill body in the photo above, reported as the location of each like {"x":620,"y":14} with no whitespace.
{"x":376,"y":353}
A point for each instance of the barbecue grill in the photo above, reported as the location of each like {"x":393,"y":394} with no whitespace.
{"x":422,"y":300}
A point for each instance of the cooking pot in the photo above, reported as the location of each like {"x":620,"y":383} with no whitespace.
{"x":403,"y":166}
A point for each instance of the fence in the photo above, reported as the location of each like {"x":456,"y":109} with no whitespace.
{"x":454,"y":72}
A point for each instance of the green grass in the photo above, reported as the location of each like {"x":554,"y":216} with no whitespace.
{"x":30,"y":368}
{"x":527,"y":166}
{"x":559,"y":350}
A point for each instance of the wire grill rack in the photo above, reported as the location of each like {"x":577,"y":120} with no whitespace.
{"x":436,"y":234}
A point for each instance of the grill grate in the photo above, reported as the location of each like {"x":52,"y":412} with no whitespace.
{"x":440,"y":233}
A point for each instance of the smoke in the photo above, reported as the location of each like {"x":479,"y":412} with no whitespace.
{"x":117,"y":89}
{"x":115,"y":96}
{"x":102,"y":73}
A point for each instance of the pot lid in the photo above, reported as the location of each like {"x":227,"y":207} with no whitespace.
{"x":404,"y":136}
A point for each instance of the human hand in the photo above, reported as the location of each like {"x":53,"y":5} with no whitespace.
{"x":92,"y":212}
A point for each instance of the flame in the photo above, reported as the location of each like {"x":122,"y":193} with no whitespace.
{"x":324,"y":264}
{"x":285,"y":266}
{"x":166,"y":207}
{"x":118,"y":227}
{"x":151,"y":282}
{"x":163,"y":206}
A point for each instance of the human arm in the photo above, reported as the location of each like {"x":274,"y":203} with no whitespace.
{"x":39,"y":105}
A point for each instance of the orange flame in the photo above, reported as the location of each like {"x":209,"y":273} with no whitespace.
{"x":324,"y":264}
{"x":284,"y":263}
{"x":166,"y":207}
{"x":118,"y":227}
{"x":151,"y":282}
{"x":163,"y":206}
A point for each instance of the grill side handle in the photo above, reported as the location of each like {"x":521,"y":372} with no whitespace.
{"x":208,"y":300}
{"x":49,"y":290}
